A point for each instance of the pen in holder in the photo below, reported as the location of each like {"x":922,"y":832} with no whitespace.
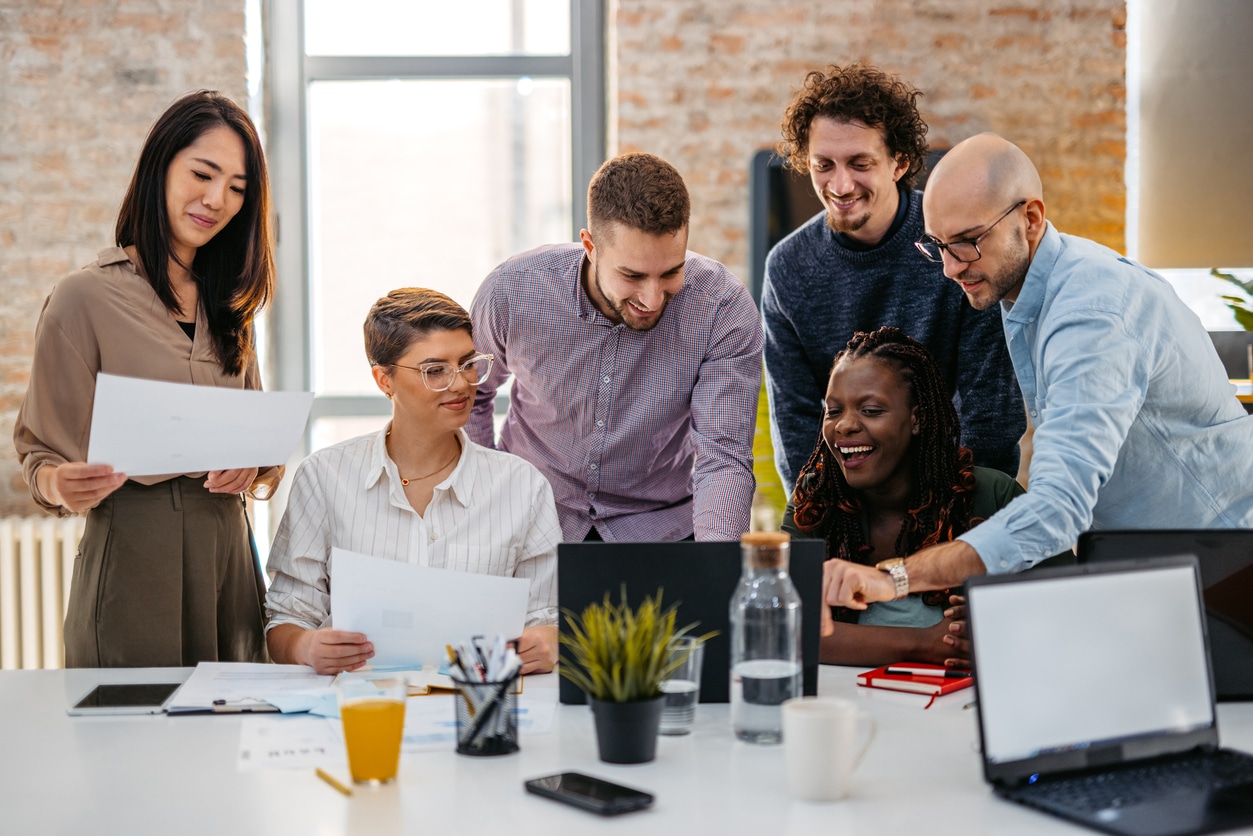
{"x":487,"y":717}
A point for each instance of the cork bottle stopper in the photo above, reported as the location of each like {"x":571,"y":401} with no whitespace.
{"x":766,"y":549}
{"x":769,"y":539}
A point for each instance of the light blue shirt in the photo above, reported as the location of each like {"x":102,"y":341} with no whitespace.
{"x":1136,"y":424}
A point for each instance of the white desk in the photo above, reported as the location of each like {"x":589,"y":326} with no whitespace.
{"x":137,"y":775}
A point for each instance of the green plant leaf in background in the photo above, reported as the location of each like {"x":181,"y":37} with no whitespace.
{"x":616,"y":654}
{"x":1240,"y":306}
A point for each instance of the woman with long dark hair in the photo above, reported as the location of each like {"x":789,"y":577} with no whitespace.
{"x":165,"y":573}
{"x":889,"y":477}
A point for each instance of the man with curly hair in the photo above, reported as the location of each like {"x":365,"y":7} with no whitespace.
{"x":857,"y":132}
{"x":1136,"y":426}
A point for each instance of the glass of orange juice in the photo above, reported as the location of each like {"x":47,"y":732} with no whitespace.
{"x":373,"y":713}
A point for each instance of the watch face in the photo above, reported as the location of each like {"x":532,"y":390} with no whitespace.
{"x":896,"y":568}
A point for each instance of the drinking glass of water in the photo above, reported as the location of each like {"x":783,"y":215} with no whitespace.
{"x":682,"y":689}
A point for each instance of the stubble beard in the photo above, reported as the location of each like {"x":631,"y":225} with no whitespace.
{"x":1008,"y":279}
{"x":840,"y":223}
{"x":620,"y":309}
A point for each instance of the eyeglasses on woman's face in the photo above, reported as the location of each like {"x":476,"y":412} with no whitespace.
{"x":440,"y":376}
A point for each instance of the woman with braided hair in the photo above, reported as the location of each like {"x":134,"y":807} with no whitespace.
{"x":887,"y":478}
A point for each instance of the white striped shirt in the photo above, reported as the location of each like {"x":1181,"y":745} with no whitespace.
{"x":494,"y":515}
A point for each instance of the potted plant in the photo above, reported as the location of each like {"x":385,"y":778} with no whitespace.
{"x":1238,"y":304}
{"x":620,"y":657}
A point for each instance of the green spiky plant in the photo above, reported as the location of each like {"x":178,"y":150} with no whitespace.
{"x":616,"y":654}
{"x":1239,"y":305}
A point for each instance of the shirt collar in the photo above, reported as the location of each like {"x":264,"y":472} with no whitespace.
{"x":582,"y":301}
{"x":459,"y":482}
{"x":112,"y":255}
{"x":380,"y":462}
{"x":1030,"y":299}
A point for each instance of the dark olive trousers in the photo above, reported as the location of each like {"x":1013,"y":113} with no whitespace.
{"x":166,"y":576}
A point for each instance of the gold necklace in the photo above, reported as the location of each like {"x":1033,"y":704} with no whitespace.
{"x":455,"y":454}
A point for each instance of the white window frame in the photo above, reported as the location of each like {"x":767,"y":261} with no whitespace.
{"x":290,"y":74}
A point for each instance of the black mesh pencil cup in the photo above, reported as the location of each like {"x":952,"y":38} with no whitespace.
{"x":487,"y":717}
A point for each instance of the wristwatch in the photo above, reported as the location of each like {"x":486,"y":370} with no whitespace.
{"x":895,"y":567}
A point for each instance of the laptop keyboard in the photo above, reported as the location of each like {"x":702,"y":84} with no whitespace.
{"x":1135,"y":784}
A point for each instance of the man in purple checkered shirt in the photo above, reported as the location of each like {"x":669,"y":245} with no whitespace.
{"x":636,"y":367}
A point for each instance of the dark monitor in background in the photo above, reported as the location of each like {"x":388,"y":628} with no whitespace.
{"x":1235,"y":349}
{"x":1225,"y":556}
{"x":700,"y":578}
{"x":779,"y":201}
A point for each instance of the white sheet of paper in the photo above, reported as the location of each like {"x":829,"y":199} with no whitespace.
{"x":431,"y":722}
{"x":411,"y":612}
{"x":244,"y":682}
{"x":149,"y":427}
{"x":304,"y":741}
{"x":289,"y":742}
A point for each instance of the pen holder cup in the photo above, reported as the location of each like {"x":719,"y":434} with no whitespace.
{"x":487,"y":717}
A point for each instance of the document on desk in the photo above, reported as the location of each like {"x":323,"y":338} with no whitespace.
{"x":289,"y":743}
{"x":245,"y":687}
{"x":431,"y":723}
{"x":149,"y":427}
{"x":410,"y":613}
{"x":272,"y":742}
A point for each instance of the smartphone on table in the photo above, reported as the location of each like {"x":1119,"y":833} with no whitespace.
{"x":586,"y":792}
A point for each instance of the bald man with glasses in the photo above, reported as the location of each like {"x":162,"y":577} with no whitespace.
{"x":1136,"y":425}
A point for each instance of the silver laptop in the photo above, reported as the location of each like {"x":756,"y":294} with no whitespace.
{"x":1096,"y":702}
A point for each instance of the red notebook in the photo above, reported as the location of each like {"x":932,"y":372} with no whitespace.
{"x":918,"y":683}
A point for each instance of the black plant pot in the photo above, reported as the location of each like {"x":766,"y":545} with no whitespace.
{"x":626,"y":732}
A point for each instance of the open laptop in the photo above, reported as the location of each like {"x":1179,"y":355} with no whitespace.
{"x":1096,"y":703}
{"x":700,"y":578}
{"x":1226,"y":559}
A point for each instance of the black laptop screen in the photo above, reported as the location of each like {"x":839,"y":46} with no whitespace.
{"x":1090,"y":661}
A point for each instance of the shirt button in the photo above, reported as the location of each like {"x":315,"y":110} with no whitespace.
{"x":433,"y":535}
{"x":605,"y":379}
{"x":591,"y":497}
{"x":1033,"y":413}
{"x":592,"y":467}
{"x":600,"y":423}
{"x":1004,"y":563}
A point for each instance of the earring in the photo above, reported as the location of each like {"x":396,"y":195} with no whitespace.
{"x":389,"y":395}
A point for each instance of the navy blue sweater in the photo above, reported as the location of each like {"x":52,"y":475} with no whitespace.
{"x":818,"y":292}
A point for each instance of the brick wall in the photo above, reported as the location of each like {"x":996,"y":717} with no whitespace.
{"x":81,"y":81}
{"x":704,"y":83}
{"x":700,"y":82}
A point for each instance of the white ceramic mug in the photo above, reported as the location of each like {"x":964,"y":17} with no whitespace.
{"x":820,"y":746}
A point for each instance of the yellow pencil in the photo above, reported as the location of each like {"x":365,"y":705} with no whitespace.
{"x":328,"y":778}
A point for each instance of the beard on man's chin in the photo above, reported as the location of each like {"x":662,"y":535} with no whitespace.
{"x":638,"y":326}
{"x":844,"y":224}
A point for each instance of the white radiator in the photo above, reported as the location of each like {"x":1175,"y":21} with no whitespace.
{"x":36,"y":564}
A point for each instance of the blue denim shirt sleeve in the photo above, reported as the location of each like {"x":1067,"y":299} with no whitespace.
{"x":1084,"y":377}
{"x":1095,"y":379}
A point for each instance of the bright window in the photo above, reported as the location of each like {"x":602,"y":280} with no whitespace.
{"x":415,"y":143}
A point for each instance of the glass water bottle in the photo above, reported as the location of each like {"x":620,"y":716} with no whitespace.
{"x":765,"y":639}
